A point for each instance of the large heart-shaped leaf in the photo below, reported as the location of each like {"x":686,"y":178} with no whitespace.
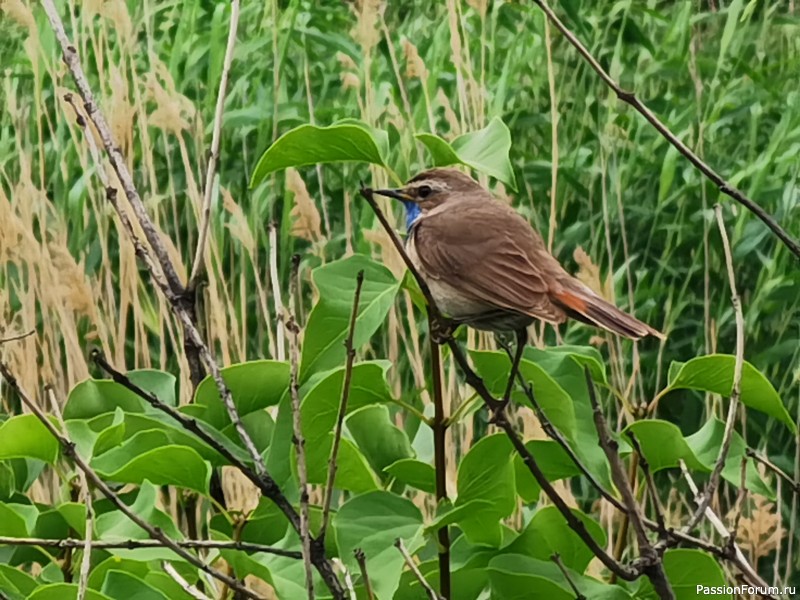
{"x":350,"y":141}
{"x":486,"y":150}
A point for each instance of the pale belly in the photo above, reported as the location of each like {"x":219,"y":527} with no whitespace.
{"x":456,"y":305}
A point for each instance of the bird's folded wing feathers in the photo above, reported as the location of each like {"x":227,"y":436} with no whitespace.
{"x":489,"y":255}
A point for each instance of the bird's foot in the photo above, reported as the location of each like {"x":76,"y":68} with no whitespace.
{"x":442,"y":329}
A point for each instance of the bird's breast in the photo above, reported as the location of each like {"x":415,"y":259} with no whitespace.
{"x":450,"y":300}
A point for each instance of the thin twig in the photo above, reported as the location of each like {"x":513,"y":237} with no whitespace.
{"x":652,"y":564}
{"x":554,"y":434}
{"x":197,"y":264}
{"x":14,"y":338}
{"x":167,"y":279}
{"x":738,"y":558}
{"x":651,"y":484}
{"x":740,"y":500}
{"x":69,"y":451}
{"x":293,"y":330}
{"x":730,"y":422}
{"x":164,"y":276}
{"x":439,"y":429}
{"x":337,"y":431}
{"x":793,"y":485}
{"x":415,"y":570}
{"x":556,"y":558}
{"x":136,"y":544}
{"x":185,"y":585}
{"x":361,"y":559}
{"x":88,"y":534}
{"x":630,"y":98}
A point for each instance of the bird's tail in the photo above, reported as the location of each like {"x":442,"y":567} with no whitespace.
{"x":583,"y":304}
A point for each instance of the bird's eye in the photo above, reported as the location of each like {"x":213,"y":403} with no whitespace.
{"x":424,"y":191}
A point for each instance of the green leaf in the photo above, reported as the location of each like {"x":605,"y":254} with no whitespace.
{"x":111,"y":436}
{"x":18,"y":579}
{"x":414,"y":473}
{"x":487,"y":473}
{"x":441,"y":152}
{"x":352,"y":473}
{"x":17,"y":520}
{"x":372,"y":522}
{"x":113,"y":525}
{"x":100,"y":396}
{"x":309,"y":145}
{"x":687,"y":569}
{"x":322,"y":395}
{"x":120,"y":584}
{"x":663,"y":445}
{"x":67,"y":591}
{"x":380,"y":440}
{"x":74,"y":515}
{"x":552,"y":459}
{"x":486,"y":150}
{"x":254,"y":385}
{"x":515,"y":577}
{"x":706,"y":443}
{"x":494,"y":368}
{"x":329,"y":321}
{"x":149,"y":455}
{"x":667,"y":172}
{"x":548,"y":533}
{"x":567,"y":369}
{"x":714,"y":373}
{"x":25,"y":436}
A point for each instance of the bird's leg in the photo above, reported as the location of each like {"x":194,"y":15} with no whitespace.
{"x":522,"y":339}
{"x":442,"y":328}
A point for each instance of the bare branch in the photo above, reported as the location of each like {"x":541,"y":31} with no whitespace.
{"x":730,"y":422}
{"x":19,"y":336}
{"x":415,"y":570}
{"x":652,"y":564}
{"x":164,"y":276}
{"x":738,"y":557}
{"x":556,"y":558}
{"x":86,"y":560}
{"x":187,"y":587}
{"x":630,"y":98}
{"x":337,"y":431}
{"x":361,"y":559}
{"x":299,"y":441}
{"x":651,"y":485}
{"x":136,"y":544}
{"x":197,"y":265}
{"x":793,"y":485}
{"x":439,"y":429}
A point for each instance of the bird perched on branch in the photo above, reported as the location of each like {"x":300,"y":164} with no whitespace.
{"x":486,"y":267}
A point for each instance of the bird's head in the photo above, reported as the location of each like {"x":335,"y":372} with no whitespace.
{"x":430,"y":189}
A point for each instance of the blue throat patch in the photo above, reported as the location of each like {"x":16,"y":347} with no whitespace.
{"x":413,"y":213}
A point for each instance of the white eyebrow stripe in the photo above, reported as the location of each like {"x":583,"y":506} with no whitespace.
{"x":435,"y":185}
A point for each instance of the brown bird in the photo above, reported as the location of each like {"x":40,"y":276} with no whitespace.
{"x":485,"y":265}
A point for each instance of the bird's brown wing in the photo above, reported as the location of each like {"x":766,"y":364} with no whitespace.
{"x":490,"y":253}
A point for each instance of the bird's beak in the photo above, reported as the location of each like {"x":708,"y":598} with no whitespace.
{"x":398,"y":194}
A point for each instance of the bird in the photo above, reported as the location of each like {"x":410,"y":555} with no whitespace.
{"x":486,"y":266}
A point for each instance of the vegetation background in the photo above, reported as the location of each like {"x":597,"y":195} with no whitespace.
{"x":616,"y":203}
